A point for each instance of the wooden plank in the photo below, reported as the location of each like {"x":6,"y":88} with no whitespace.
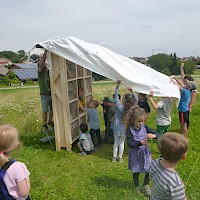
{"x":54,"y":102}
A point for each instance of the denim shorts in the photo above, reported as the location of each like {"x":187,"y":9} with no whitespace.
{"x":46,"y":103}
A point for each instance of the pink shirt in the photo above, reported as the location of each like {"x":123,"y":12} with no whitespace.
{"x":15,"y":173}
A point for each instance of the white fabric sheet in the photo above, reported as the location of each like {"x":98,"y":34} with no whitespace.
{"x":105,"y":62}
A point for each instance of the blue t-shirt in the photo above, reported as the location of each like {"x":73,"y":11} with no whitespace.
{"x":184,"y":100}
{"x":93,"y":117}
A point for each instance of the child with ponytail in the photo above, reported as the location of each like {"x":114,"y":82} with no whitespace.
{"x":14,"y":175}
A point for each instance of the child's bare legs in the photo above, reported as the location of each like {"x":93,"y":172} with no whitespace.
{"x":80,"y":146}
{"x":184,"y":129}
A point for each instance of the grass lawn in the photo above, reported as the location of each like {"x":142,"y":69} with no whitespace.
{"x":63,"y":175}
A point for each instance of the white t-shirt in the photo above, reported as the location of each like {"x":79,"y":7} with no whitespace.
{"x":14,"y":174}
{"x":163,"y":117}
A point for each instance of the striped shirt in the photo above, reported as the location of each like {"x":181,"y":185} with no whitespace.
{"x":166,"y":184}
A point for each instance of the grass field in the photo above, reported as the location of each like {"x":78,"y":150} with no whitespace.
{"x":63,"y":175}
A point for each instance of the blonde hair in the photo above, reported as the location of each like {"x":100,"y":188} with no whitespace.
{"x":8,"y":141}
{"x":133,"y":114}
{"x":172,"y":146}
{"x":95,"y":103}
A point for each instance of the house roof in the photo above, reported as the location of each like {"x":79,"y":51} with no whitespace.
{"x":26,"y":74}
{"x":4,"y":71}
{"x":24,"y":65}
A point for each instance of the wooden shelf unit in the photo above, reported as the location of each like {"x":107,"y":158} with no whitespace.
{"x":67,"y":80}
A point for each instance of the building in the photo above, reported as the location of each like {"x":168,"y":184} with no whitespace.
{"x":5,"y":62}
{"x":25,"y":71}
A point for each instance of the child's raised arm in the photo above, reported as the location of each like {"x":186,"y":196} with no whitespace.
{"x":80,"y":106}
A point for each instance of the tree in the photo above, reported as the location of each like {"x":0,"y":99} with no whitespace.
{"x":22,"y":55}
{"x":14,"y":57}
{"x":98,"y":77}
{"x":174,"y":67}
{"x":12,"y":78}
{"x":189,"y":67}
{"x":160,"y":62}
{"x":34,"y":56}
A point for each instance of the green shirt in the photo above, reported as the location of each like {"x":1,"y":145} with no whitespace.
{"x":44,"y":82}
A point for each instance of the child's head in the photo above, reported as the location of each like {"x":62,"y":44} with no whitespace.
{"x":9,"y":141}
{"x":173,"y":146}
{"x":128,"y":101}
{"x":135,"y":117}
{"x":93,"y":104}
{"x":111,"y":102}
{"x":142,"y":96}
{"x":118,"y":96}
{"x":84,"y":128}
{"x":105,"y":100}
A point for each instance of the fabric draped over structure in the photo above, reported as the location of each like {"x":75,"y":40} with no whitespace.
{"x":105,"y":62}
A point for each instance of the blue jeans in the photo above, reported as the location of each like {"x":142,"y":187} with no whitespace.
{"x":46,"y":103}
{"x":97,"y":132}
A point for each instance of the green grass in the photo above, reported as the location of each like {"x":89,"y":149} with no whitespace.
{"x":63,"y":175}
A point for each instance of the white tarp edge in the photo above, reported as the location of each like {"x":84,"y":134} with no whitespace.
{"x":113,"y":66}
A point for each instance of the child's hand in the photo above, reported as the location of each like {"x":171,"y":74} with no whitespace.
{"x":131,"y":90}
{"x":143,"y":142}
{"x":118,"y":82}
{"x":151,"y":136}
{"x":151,"y":93}
{"x":182,"y":64}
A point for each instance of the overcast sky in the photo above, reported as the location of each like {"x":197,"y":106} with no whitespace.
{"x":128,"y":27}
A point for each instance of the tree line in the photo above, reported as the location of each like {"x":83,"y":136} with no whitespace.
{"x":170,"y":64}
{"x":166,"y":64}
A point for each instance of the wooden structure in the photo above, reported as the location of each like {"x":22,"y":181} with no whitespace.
{"x":66,"y":79}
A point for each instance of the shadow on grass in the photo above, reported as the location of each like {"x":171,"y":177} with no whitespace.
{"x":33,"y":140}
{"x":107,"y":181}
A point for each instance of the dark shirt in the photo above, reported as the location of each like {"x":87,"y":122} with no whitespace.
{"x":144,"y":104}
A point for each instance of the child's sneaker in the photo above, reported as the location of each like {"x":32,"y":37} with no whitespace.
{"x":114,"y":159}
{"x":147,"y":190}
{"x":83,"y":154}
{"x":120,"y":160}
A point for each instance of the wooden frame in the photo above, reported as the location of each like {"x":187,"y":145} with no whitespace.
{"x":66,"y":80}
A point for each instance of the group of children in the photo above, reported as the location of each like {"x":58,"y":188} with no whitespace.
{"x":127,"y":119}
{"x":124,"y":119}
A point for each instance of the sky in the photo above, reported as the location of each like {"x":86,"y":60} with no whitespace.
{"x":128,"y":27}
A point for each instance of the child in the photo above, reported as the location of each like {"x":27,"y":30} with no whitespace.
{"x":109,"y":131}
{"x":183,"y":106}
{"x":85,"y":143}
{"x":193,"y":90}
{"x":166,"y":183}
{"x":94,"y":120}
{"x":105,"y":110}
{"x":163,"y":107}
{"x":139,"y":154}
{"x":117,"y":123}
{"x":16,"y":177}
{"x":143,"y":103}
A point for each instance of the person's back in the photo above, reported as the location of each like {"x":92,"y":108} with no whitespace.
{"x":15,"y":175}
{"x":166,"y":183}
{"x":143,"y":102}
{"x":93,"y":117}
{"x":163,"y":117}
{"x":86,"y":141}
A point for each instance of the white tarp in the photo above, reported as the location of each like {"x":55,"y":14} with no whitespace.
{"x":113,"y":66}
